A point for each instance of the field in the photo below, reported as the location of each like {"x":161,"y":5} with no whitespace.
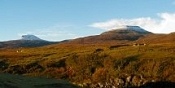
{"x":92,"y":65}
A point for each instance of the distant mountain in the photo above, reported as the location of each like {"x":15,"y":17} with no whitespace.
{"x":133,"y":28}
{"x":126,"y":33}
{"x":30,"y":37}
{"x":25,"y":41}
{"x":121,"y":35}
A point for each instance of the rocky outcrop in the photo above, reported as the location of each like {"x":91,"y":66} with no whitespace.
{"x":130,"y":81}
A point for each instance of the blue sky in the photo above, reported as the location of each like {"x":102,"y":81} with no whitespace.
{"x":57,"y":20}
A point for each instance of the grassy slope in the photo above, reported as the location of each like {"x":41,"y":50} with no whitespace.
{"x":86,"y":63}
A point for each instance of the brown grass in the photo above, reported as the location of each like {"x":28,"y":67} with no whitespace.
{"x":82,"y":62}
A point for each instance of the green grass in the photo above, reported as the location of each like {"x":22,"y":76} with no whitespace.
{"x":16,"y":81}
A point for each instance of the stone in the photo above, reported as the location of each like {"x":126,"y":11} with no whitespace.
{"x":118,"y":81}
{"x":136,"y":81}
{"x":128,"y":79}
{"x":100,"y":85}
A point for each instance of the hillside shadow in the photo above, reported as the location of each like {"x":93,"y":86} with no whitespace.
{"x":159,"y":84}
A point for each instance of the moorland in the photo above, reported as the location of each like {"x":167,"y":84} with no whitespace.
{"x":147,"y":60}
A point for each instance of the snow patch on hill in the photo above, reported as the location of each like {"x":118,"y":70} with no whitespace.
{"x":134,"y":28}
{"x":30,"y":37}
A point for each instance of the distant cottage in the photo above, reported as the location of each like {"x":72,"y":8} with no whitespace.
{"x":19,"y":51}
{"x":139,"y":44}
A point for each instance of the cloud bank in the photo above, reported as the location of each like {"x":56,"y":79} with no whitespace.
{"x":164,"y":24}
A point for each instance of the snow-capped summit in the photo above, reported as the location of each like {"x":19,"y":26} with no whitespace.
{"x":134,"y":28}
{"x":30,"y":37}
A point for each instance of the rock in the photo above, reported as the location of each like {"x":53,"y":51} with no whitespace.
{"x":118,"y":82}
{"x":114,"y":87}
{"x":80,"y":85}
{"x":100,"y":85}
{"x":128,"y":79}
{"x":136,"y":81}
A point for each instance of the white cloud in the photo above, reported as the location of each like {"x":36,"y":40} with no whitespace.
{"x":165,"y":23}
{"x":53,"y":33}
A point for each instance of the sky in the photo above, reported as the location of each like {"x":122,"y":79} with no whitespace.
{"x":57,"y":20}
